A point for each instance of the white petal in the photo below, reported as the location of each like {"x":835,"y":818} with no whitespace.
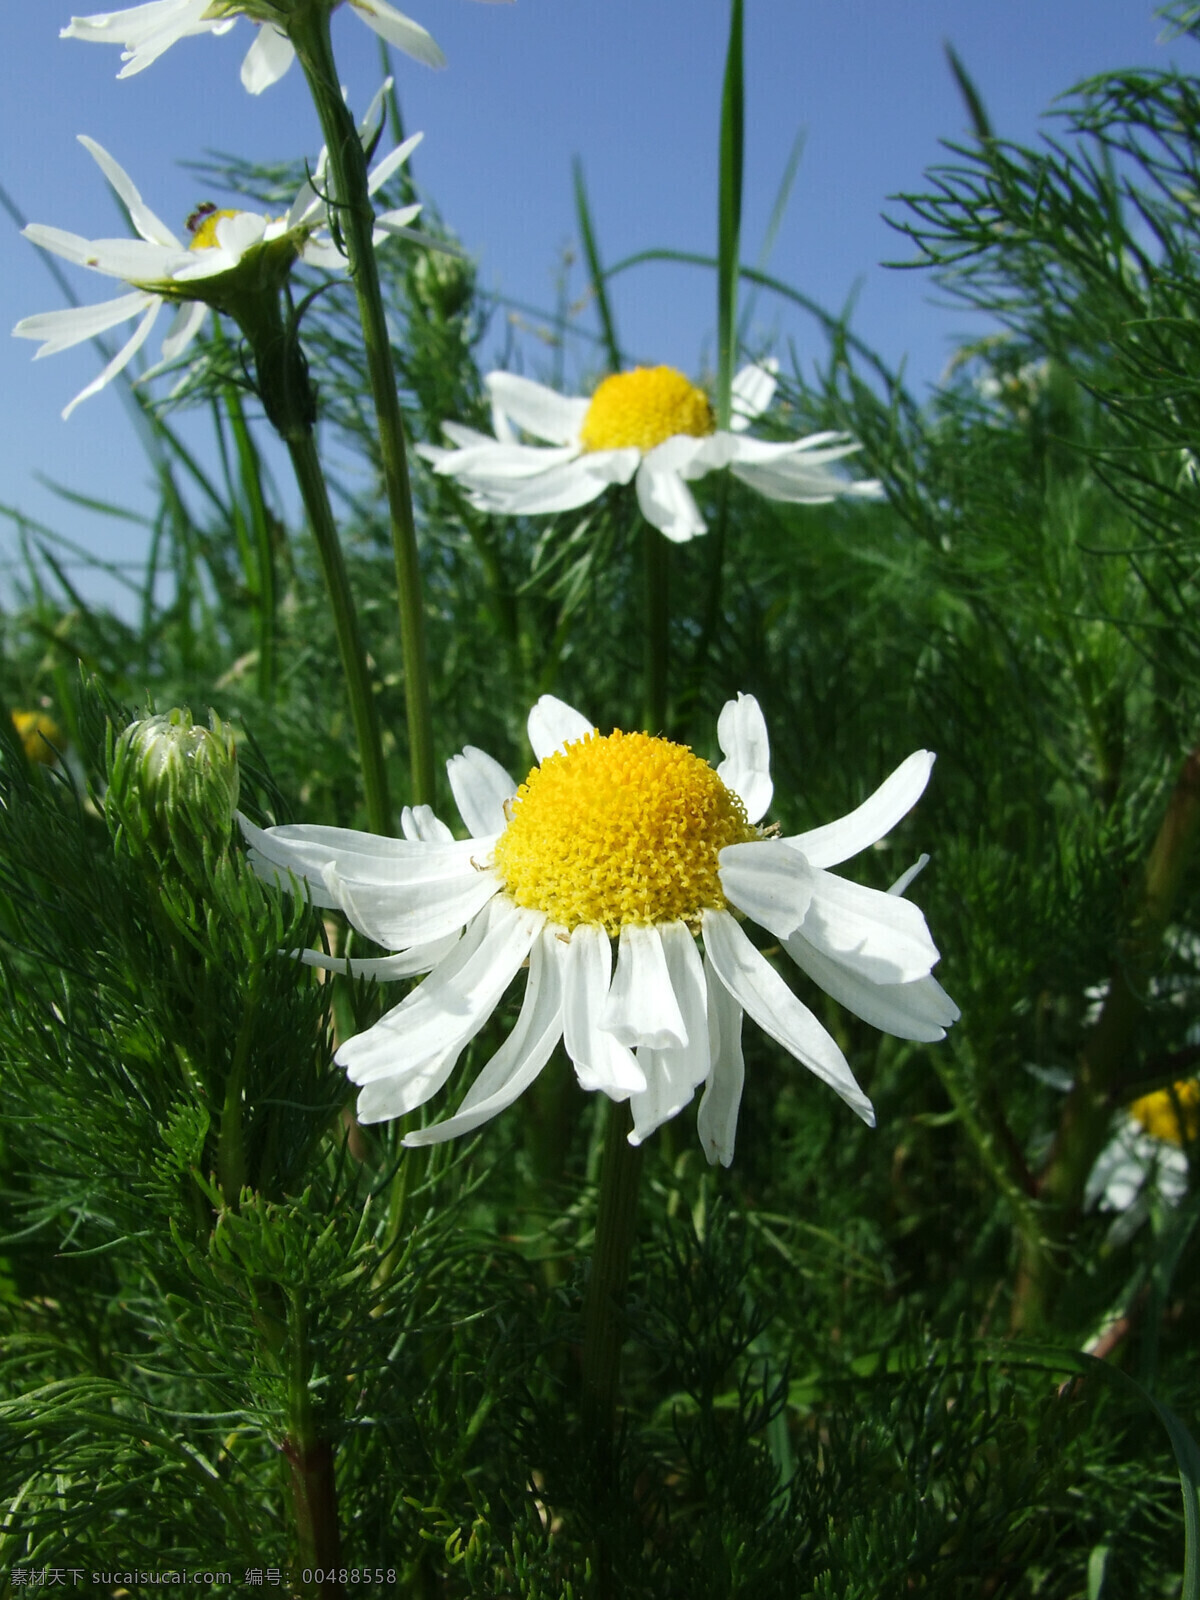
{"x":416,"y":914}
{"x":538,"y":410}
{"x":306,"y":849}
{"x":383,"y":170}
{"x":716,"y":1120}
{"x":482,"y":461}
{"x":759,"y":989}
{"x":666,"y":503}
{"x":417,"y":1043}
{"x":882,"y":937}
{"x":918,"y":1010}
{"x":566,"y":487}
{"x":419,"y":822}
{"x":905,"y":878}
{"x":522,"y":1055}
{"x":871,"y":821}
{"x":136,"y":260}
{"x":122,"y":358}
{"x":746,"y":769}
{"x":185,"y":325}
{"x":384,"y":969}
{"x":140,"y":214}
{"x":752,"y":391}
{"x":400,"y":30}
{"x":480,"y":787}
{"x":267,"y":59}
{"x":673,"y":1073}
{"x":641,"y":1008}
{"x":63,"y":329}
{"x":600,"y":1062}
{"x":553,"y":724}
{"x":768,"y":880}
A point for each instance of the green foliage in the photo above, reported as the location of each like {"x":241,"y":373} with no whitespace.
{"x":225,"y":1306}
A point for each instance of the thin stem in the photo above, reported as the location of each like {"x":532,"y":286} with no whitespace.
{"x":657,"y":621}
{"x":315,"y":494}
{"x":354,"y":216}
{"x":310,"y":1459}
{"x":603,"y":1319}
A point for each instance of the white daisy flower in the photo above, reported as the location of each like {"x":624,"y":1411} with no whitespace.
{"x":146,"y":31}
{"x":1146,"y":1154}
{"x":651,"y":425}
{"x":604,"y":872}
{"x":159,"y":267}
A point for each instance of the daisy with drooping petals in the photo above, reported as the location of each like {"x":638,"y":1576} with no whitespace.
{"x":227,"y":248}
{"x":651,"y":425}
{"x":1146,"y":1155}
{"x":146,"y":31}
{"x":606,"y":871}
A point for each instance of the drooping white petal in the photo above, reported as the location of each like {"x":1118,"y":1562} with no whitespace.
{"x":666,"y":503}
{"x":417,"y":1042}
{"x":553,"y":724}
{"x":716,"y":1120}
{"x":564,"y":487}
{"x":480,"y":787}
{"x":400,"y":30}
{"x":63,"y":329}
{"x":746,"y":769}
{"x":540,"y":411}
{"x":641,"y":1008}
{"x":599,"y":1061}
{"x":673,"y":1073}
{"x":307,"y":848}
{"x":383,"y":170}
{"x":918,"y":1010}
{"x":185,"y":325}
{"x":871,"y":821}
{"x":759,"y":989}
{"x":140,"y":214}
{"x":751,"y":393}
{"x":419,"y":822}
{"x":522,"y":1055}
{"x":384,"y":969}
{"x":906,"y":877}
{"x":794,"y":481}
{"x":419,"y":914}
{"x":122,"y":358}
{"x":485,"y":461}
{"x":882,"y":937}
{"x":768,"y":880}
{"x":267,"y":59}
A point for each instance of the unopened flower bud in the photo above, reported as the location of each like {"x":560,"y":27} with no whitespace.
{"x":442,"y":284}
{"x":173,"y":788}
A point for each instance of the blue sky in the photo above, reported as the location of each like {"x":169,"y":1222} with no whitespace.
{"x":632,"y":86}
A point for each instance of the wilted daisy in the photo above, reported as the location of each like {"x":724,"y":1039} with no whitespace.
{"x":229,"y":254}
{"x":605,"y":872}
{"x":1146,"y":1154}
{"x":146,"y":31}
{"x":651,"y":425}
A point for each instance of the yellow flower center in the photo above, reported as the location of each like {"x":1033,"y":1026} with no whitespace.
{"x":1172,"y":1115}
{"x":644,"y":407}
{"x":202,"y":225}
{"x":620,"y":829}
{"x":37,"y":732}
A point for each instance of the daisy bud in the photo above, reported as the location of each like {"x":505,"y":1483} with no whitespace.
{"x":173,"y":788}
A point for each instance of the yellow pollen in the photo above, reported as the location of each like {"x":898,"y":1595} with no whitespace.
{"x":1172,"y":1115}
{"x":202,"y":225}
{"x":620,"y":829}
{"x":644,"y":407}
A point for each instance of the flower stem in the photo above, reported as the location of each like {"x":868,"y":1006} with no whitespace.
{"x":354,"y":216}
{"x":603,"y":1319}
{"x":315,"y":494}
{"x":658,"y":615}
{"x":310,"y":1459}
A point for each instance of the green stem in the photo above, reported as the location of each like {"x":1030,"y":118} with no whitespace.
{"x":310,"y":1460}
{"x":315,"y":494}
{"x":603,"y":1320}
{"x":655,"y":570}
{"x":308,"y":29}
